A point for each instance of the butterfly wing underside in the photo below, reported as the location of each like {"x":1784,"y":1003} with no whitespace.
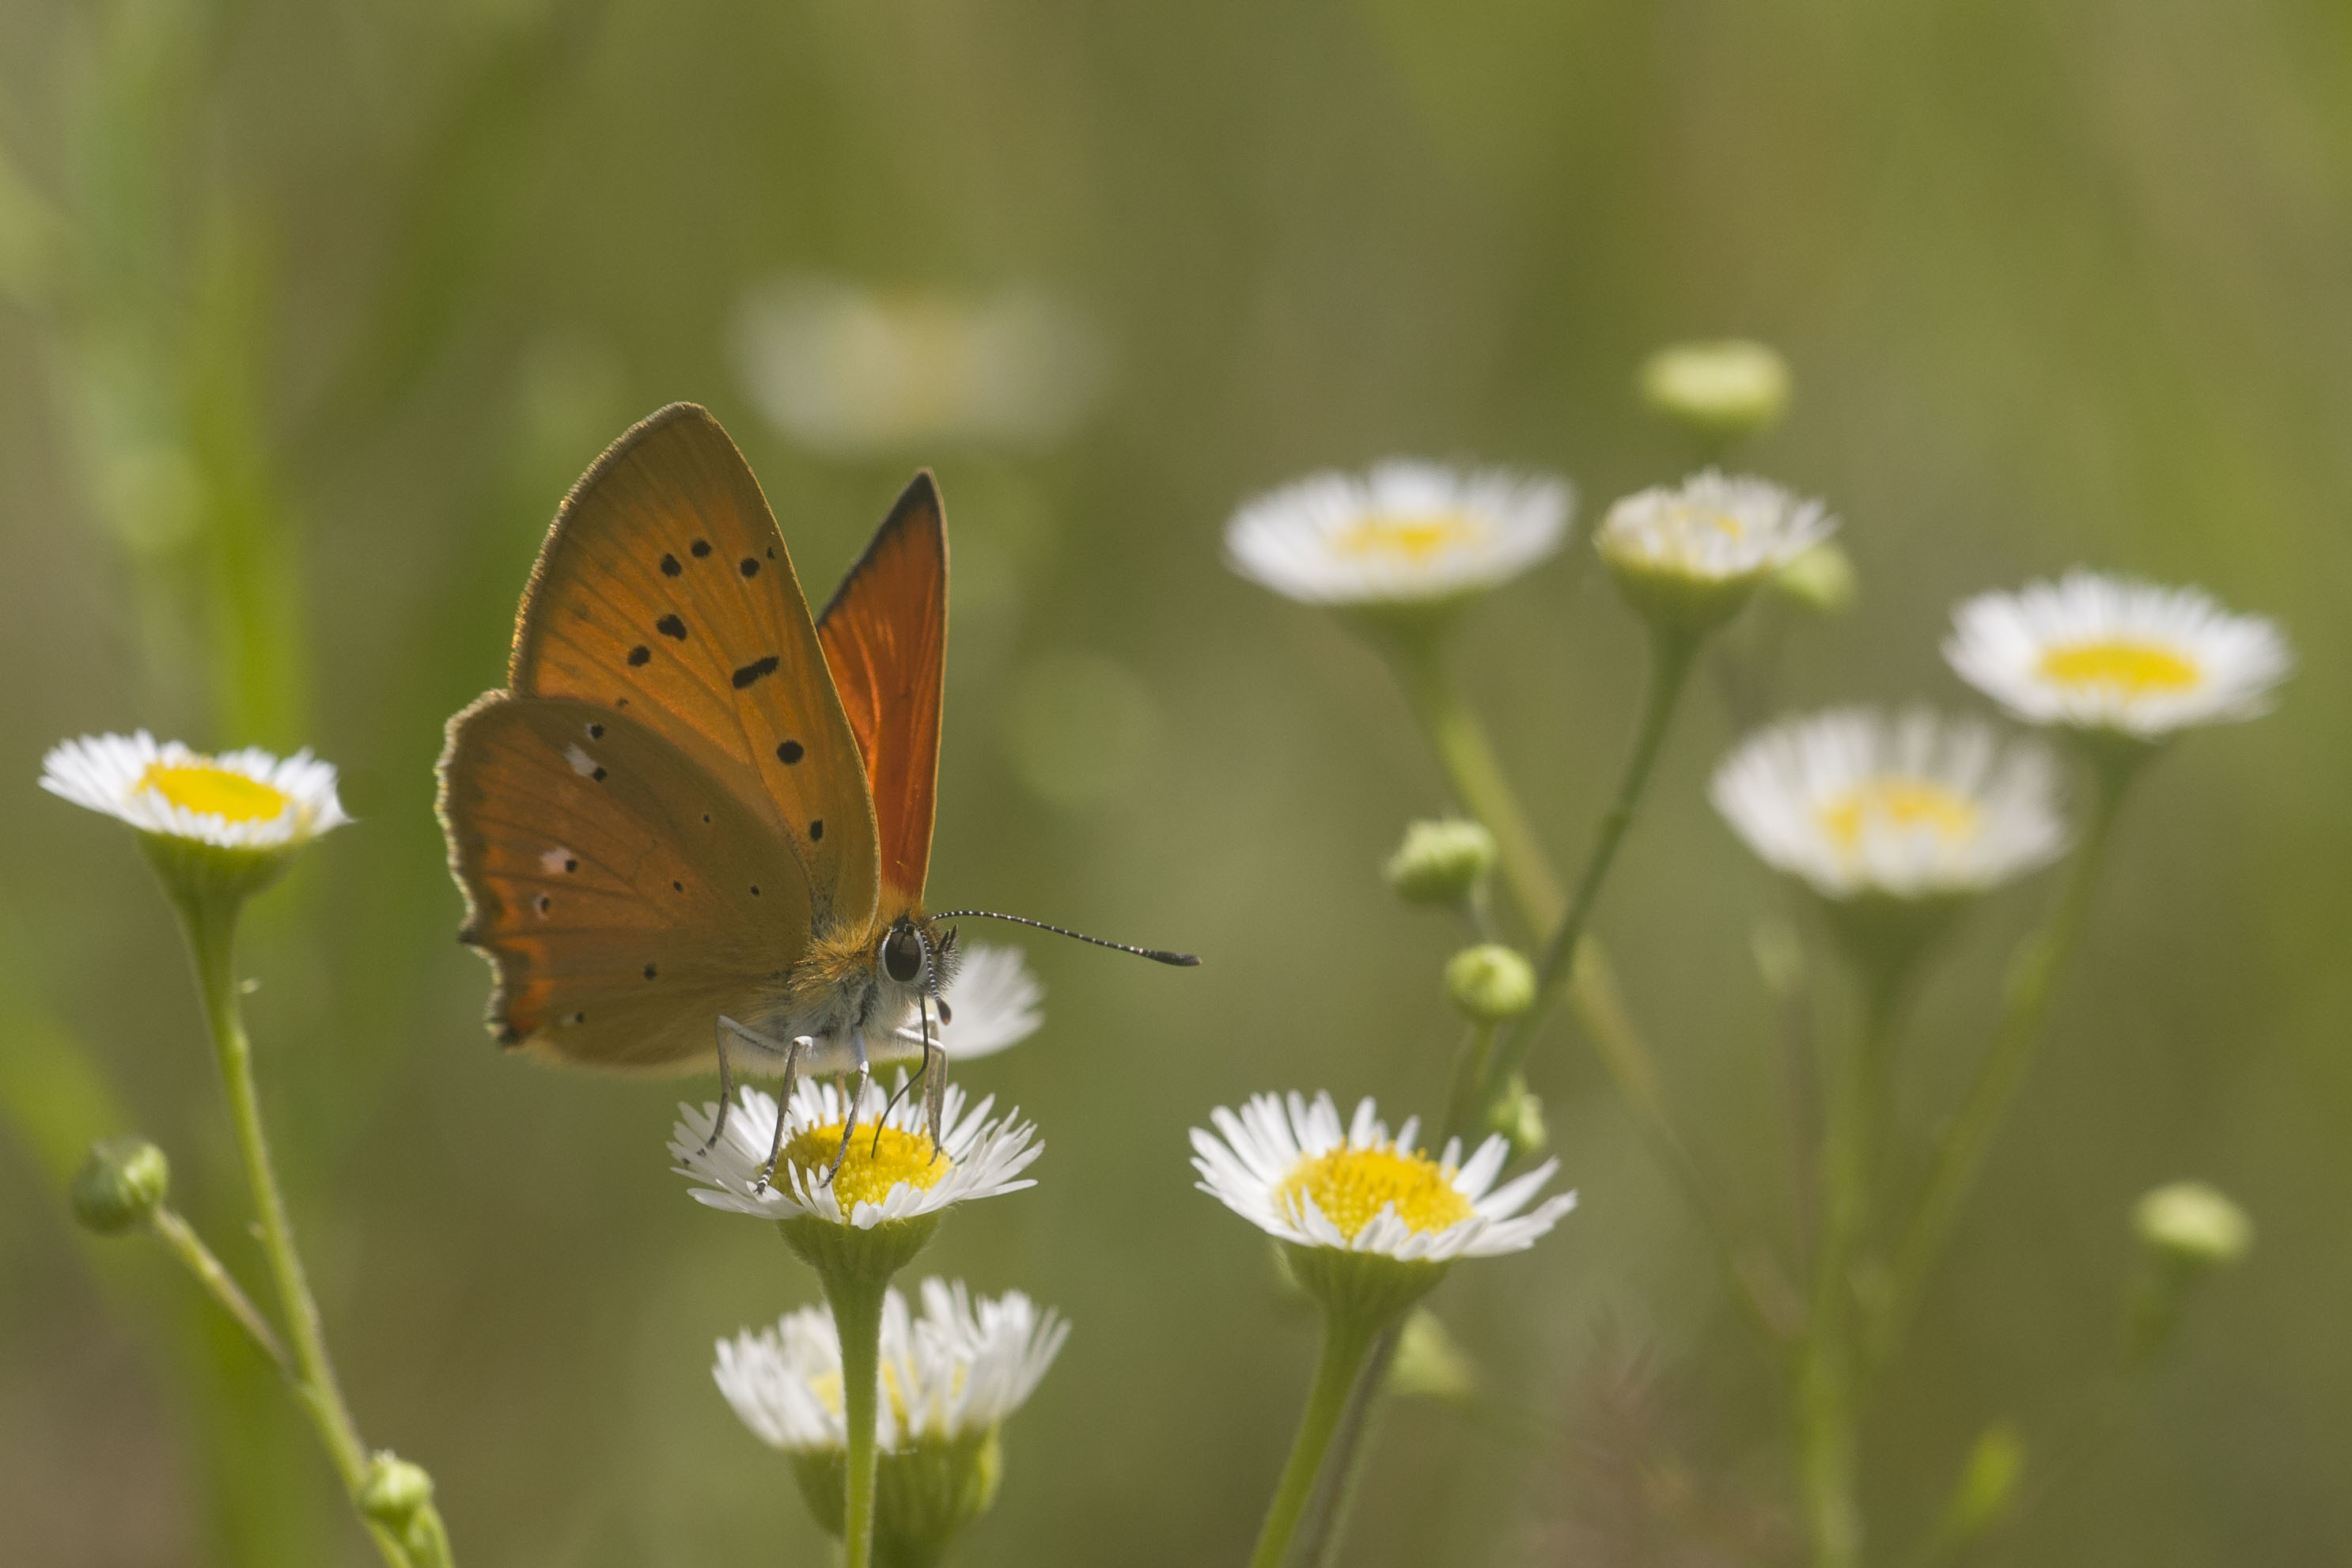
{"x":885,"y":636}
{"x":665,"y":592}
{"x":626,"y":898}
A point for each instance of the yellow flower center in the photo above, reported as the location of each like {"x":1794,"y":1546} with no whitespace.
{"x":2131,"y":668}
{"x":875,"y":1163}
{"x":215,"y":791}
{"x":1412,"y":537}
{"x":1900,"y":803}
{"x":1352,"y":1186}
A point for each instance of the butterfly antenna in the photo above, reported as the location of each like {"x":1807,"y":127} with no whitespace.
{"x":1157,"y":954}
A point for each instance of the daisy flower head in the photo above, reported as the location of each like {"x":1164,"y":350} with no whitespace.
{"x":891,"y":1172}
{"x":1403,"y":534}
{"x":1689,"y":555}
{"x":992,"y":1006}
{"x":1362,"y":1214}
{"x":958,"y":1371}
{"x":219,"y":825}
{"x":1918,"y":806}
{"x":2113,"y":656}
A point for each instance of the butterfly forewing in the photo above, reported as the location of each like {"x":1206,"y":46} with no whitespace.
{"x":665,"y":592}
{"x":626,"y":898}
{"x":885,"y":636}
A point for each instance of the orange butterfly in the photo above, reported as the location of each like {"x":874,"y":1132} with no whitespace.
{"x":697,"y":825}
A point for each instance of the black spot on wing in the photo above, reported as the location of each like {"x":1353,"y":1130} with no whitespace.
{"x":571,"y":865}
{"x":789,"y":753}
{"x":749,"y":567}
{"x":754,"y":671}
{"x":677,"y":887}
{"x":649,"y":971}
{"x":543,"y":902}
{"x":701,"y":547}
{"x":598,"y":775}
{"x":595,"y":732}
{"x":670,"y":568}
{"x":816,"y":829}
{"x":639,"y":654}
{"x":755,"y":890}
{"x":671,"y":627}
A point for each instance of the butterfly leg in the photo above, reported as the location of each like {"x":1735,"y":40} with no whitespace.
{"x":725,"y":1027}
{"x":783,"y":1112}
{"x":856,"y":1099}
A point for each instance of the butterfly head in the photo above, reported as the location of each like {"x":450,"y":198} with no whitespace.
{"x":914,"y":958}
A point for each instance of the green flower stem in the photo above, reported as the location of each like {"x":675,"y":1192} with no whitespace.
{"x":857,"y":1302}
{"x":211,"y":922}
{"x":180,"y":1239}
{"x":1461,"y":1104}
{"x":1960,"y":1155}
{"x":1347,"y":1340}
{"x":1826,"y":1381}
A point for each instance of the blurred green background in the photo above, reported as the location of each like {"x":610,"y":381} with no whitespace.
{"x":313,"y":311}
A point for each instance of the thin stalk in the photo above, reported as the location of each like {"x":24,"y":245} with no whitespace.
{"x":1826,"y":1392}
{"x":180,"y":1239}
{"x":856,"y":1305}
{"x":1346,"y":1342}
{"x":212,"y":929}
{"x":1960,"y":1155}
{"x":1461,"y":1104}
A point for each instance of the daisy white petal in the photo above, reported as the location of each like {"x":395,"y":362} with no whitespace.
{"x":1404,"y":533}
{"x":1711,"y":530}
{"x":892,"y":1176}
{"x":248,"y":799}
{"x":2115,"y":656}
{"x":1914,"y":807}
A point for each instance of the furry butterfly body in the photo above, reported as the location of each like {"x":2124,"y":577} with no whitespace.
{"x":695,"y":826}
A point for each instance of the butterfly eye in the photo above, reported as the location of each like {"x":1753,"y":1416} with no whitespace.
{"x":902,"y":956}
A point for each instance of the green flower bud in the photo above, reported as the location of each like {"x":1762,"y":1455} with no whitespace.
{"x":121,"y":1182}
{"x":1429,"y":1363}
{"x":1821,"y":580}
{"x":2190,"y":1224}
{"x":395,"y":1490}
{"x":1519,"y":1116}
{"x":1490,"y":982}
{"x":1717,"y":391}
{"x":1441,"y":862}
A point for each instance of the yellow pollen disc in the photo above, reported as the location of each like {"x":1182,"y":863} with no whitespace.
{"x":1352,"y":1186}
{"x":2128,"y":667}
{"x":1409,"y":536}
{"x":216,"y":791}
{"x":874,"y":1165}
{"x":1902,"y":804}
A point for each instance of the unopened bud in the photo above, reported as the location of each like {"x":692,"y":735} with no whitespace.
{"x":1718,"y":390}
{"x":395,"y":1490}
{"x":1430,"y":1364}
{"x":1822,"y":579}
{"x":1519,"y":1116}
{"x":1441,"y":862}
{"x":121,"y":1182}
{"x":1490,"y":982}
{"x":2191,"y":1224}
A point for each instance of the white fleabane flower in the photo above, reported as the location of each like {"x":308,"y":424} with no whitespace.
{"x":1711,"y":530}
{"x":238,"y":800}
{"x":888,"y":1173}
{"x":956,"y":1371}
{"x":1404,"y":533}
{"x":2116,"y":656}
{"x":1292,"y":1168}
{"x":1916,"y":807}
{"x":991,"y":1004}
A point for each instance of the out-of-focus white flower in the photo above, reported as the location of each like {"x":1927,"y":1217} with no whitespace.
{"x":1404,"y":533}
{"x":889,"y":1173}
{"x":958,"y":1371}
{"x":1292,"y":1168}
{"x":1919,"y":807}
{"x":238,"y":800}
{"x":1711,"y":530}
{"x":2112,"y":655}
{"x":852,"y":370}
{"x":991,"y":1004}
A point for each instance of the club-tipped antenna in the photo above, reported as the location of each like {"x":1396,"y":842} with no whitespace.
{"x":1157,"y":954}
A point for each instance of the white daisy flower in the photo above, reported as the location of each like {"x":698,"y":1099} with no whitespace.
{"x":2114,"y":654}
{"x":1296,"y":1171}
{"x":1919,"y":807}
{"x":238,"y":800}
{"x":991,"y":1004}
{"x":1406,"y":533}
{"x":892,"y":1174}
{"x":958,"y":1371}
{"x":1711,"y":530}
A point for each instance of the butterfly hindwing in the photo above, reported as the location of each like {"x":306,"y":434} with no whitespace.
{"x":665,"y":592}
{"x":626,"y":898}
{"x":884,"y":635}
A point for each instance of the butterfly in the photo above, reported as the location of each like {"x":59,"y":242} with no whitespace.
{"x":693,"y":830}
